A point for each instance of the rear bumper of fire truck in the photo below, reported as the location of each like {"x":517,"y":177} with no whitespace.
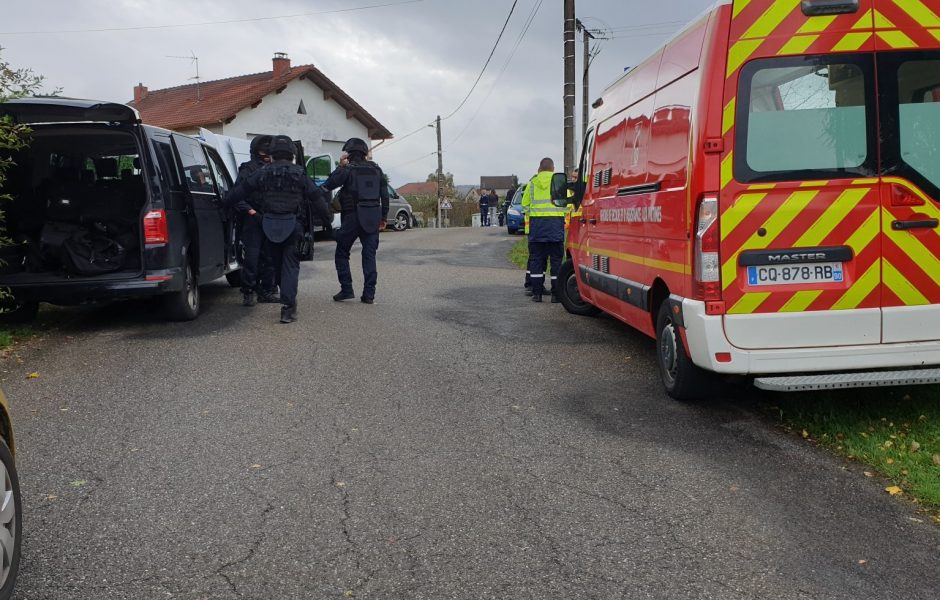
{"x":710,"y":349}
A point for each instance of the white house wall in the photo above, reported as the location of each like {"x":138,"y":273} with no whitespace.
{"x":322,"y":130}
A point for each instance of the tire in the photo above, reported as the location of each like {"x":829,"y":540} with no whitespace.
{"x":18,"y":313}
{"x":11,"y":519}
{"x":234,"y":278}
{"x":681,"y":378}
{"x":401,"y":221}
{"x":569,"y":294}
{"x":184,"y":304}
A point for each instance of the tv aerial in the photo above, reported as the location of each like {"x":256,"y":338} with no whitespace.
{"x":194,"y":60}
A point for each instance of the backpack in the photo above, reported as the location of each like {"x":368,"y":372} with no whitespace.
{"x":88,"y":254}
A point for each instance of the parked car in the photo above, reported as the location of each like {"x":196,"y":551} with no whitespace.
{"x":106,"y":207}
{"x":11,"y":505}
{"x":515,"y":221}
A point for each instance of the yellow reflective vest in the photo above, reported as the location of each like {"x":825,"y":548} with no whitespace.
{"x":537,"y":198}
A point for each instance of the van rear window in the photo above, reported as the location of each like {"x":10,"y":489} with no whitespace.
{"x":805,"y":118}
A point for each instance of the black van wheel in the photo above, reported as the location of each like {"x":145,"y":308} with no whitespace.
{"x":682,"y":379}
{"x":234,"y":278}
{"x":11,"y":519}
{"x":569,"y":294}
{"x":17,"y":313}
{"x":184,"y":304}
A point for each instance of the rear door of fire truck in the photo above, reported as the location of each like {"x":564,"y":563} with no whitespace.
{"x":907,"y":40}
{"x":801,"y":218}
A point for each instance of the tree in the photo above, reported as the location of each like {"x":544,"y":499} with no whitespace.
{"x":447,"y":181}
{"x":14,"y":83}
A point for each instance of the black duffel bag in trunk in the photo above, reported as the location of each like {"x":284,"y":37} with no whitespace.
{"x":87,"y":253}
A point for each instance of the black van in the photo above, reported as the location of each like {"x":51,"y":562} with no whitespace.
{"x":105,"y":207}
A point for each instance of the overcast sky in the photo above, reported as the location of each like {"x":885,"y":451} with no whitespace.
{"x":404,"y":63}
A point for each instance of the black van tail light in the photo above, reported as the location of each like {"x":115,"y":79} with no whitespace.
{"x":707,"y":260}
{"x":816,"y":8}
{"x":155,"y":229}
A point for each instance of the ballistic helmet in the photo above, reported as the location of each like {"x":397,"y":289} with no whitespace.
{"x":282,"y":148}
{"x":356,"y":145}
{"x":260,"y":145}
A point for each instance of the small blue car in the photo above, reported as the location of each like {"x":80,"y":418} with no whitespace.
{"x":515,"y":222}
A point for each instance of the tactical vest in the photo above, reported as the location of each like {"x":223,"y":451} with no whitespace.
{"x":363,"y":183}
{"x":282,"y":189}
{"x":246,"y":170}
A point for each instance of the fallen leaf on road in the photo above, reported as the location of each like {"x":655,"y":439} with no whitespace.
{"x":51,"y":497}
{"x":869,"y":474}
{"x":78,"y":483}
{"x":256,"y":466}
{"x":893,"y":490}
{"x":348,"y":594}
{"x":805,"y":434}
{"x":64,"y":409}
{"x":340,"y":484}
{"x":862,"y":562}
{"x":33,"y":376}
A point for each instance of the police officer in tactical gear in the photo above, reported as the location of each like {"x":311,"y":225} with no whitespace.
{"x":257,"y":271}
{"x":284,"y":189}
{"x":364,"y":207}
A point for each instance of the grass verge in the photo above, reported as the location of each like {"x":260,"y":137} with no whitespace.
{"x":519,"y":254}
{"x":895,"y":430}
{"x":10,"y":335}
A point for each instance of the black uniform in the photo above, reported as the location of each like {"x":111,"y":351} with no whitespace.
{"x":284,"y":188}
{"x":257,"y":270}
{"x":363,"y":205}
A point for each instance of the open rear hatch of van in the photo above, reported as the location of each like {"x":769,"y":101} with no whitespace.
{"x":67,"y":110}
{"x":77,"y":196}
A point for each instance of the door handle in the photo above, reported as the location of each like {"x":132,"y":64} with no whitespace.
{"x":592,"y":221}
{"x":921,"y":224}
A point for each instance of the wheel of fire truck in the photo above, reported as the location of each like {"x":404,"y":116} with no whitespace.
{"x":682,"y":379}
{"x":569,"y":294}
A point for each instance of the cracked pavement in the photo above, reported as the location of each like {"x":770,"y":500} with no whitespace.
{"x":403,"y":451}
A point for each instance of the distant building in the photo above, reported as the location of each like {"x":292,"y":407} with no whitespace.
{"x":501,"y":184}
{"x":300,"y":102}
{"x":411,"y":190}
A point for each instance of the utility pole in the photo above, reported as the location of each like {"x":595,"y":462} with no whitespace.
{"x":586,"y":81}
{"x":440,"y":172}
{"x":569,"y":85}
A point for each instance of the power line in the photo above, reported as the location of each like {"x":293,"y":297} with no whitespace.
{"x":201,"y":24}
{"x":411,"y":162}
{"x":404,"y":137}
{"x":487,"y":63}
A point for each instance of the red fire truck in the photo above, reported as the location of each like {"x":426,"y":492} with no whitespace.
{"x":761,"y":197}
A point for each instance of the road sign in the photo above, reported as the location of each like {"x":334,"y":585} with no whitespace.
{"x":446,"y":205}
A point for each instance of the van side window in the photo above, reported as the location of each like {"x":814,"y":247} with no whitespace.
{"x":584,"y":168}
{"x":196,"y":174}
{"x":219,"y":172}
{"x":919,"y":116}
{"x":805,"y":118}
{"x":167,"y":163}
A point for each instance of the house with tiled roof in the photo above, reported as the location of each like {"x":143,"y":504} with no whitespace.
{"x":300,"y":102}
{"x":424,"y":188}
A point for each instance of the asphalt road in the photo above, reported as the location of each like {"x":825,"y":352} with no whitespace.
{"x":452,"y":441}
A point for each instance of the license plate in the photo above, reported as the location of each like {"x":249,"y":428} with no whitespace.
{"x":795,"y":274}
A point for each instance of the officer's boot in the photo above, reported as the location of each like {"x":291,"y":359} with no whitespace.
{"x":266,"y":297}
{"x":537,"y":290}
{"x":288,"y":314}
{"x":344,"y":295}
{"x":248,"y":298}
{"x":555,"y":297}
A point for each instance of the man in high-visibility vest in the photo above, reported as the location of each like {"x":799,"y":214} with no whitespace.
{"x":546,"y":230}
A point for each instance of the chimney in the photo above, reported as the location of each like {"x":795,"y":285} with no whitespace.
{"x":281,"y":64}
{"x":140,"y":92}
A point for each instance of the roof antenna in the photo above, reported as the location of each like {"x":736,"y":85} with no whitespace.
{"x":195,"y":61}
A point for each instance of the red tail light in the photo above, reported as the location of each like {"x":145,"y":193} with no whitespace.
{"x":155,"y":229}
{"x":707,"y":242}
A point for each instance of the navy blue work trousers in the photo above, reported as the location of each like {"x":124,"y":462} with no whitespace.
{"x":348,"y":233}
{"x":285,"y":259}
{"x":257,"y":271}
{"x":540,"y":253}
